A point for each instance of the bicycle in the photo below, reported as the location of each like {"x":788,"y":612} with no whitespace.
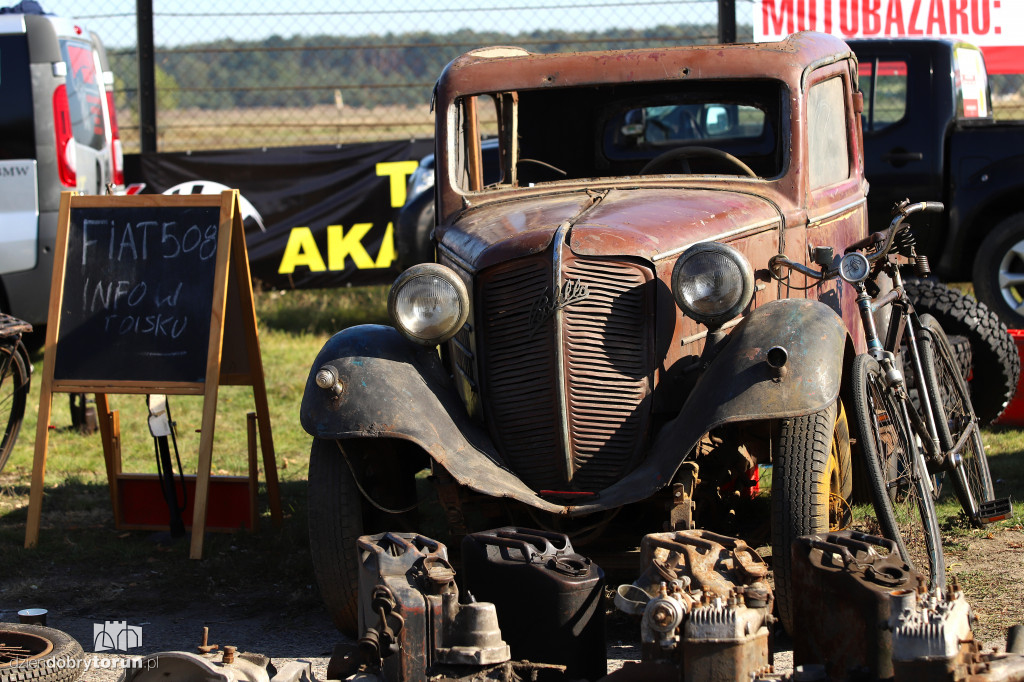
{"x":905,"y":444}
{"x":15,"y":378}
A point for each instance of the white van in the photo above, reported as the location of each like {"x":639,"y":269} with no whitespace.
{"x":56,"y":134}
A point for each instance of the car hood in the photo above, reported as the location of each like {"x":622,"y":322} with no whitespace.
{"x":646,"y":223}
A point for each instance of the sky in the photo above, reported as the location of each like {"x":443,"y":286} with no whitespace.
{"x":178,"y":22}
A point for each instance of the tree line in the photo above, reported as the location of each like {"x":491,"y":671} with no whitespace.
{"x":360,"y":71}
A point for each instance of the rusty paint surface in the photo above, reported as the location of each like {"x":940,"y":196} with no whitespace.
{"x":395,"y":389}
{"x":656,"y":222}
{"x":844,"y":578}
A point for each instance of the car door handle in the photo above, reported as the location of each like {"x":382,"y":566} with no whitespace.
{"x":902,"y":157}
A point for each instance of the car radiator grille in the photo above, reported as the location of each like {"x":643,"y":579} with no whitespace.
{"x":607,"y":358}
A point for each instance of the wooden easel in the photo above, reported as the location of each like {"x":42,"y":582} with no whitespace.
{"x":232,"y":332}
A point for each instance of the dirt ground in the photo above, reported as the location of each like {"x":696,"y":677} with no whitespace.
{"x":287,"y":624}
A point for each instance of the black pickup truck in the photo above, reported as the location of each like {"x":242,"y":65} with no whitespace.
{"x":929,"y":134}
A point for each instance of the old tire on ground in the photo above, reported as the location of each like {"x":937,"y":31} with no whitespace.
{"x":999,"y":271}
{"x":339,"y":513}
{"x":35,"y":652}
{"x":994,"y":362}
{"x":811,"y":483}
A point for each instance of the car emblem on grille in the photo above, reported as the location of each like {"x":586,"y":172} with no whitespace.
{"x":572,"y":291}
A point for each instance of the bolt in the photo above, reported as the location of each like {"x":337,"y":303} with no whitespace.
{"x":229,"y":654}
{"x":205,"y":647}
{"x":662,"y":615}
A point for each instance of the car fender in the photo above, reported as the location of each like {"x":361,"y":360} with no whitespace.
{"x":396,"y":389}
{"x":393,"y":388}
{"x":741,"y":385}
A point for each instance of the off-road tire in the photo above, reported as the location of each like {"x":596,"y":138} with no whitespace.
{"x":994,"y":362}
{"x":62,"y":663}
{"x":805,"y":450}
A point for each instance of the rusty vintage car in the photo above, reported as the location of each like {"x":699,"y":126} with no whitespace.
{"x":600,"y":336}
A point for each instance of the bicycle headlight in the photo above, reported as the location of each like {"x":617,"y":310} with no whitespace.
{"x":428,"y":303}
{"x":712,"y":283}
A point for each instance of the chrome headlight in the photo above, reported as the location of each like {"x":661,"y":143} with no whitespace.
{"x":712,"y":283}
{"x":428,"y":303}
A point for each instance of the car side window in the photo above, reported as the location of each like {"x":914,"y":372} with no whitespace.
{"x":85,"y":98}
{"x":884,"y":84}
{"x":827,"y":143}
{"x":17,"y":134}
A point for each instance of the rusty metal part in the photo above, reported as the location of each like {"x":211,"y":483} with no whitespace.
{"x":713,"y":564}
{"x":932,"y":637}
{"x":410,"y":616}
{"x":725,"y":641}
{"x":451,"y":501}
{"x":844,"y":578}
{"x":398,"y":390}
{"x":549,"y":598}
{"x":705,"y":604}
{"x":205,"y":647}
{"x":681,"y":513}
{"x":229,"y":655}
{"x":187,"y":667}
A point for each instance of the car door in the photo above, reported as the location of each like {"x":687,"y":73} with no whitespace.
{"x":903,"y":135}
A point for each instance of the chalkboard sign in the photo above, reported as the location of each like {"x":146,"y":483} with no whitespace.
{"x":142,"y":288}
{"x":137,"y":293}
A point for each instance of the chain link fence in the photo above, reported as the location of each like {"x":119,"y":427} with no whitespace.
{"x":236,"y":74}
{"x":263,"y":74}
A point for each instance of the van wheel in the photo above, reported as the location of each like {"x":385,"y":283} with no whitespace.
{"x":811,"y":486}
{"x":34,"y":652}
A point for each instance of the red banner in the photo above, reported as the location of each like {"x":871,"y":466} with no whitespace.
{"x":996,"y":26}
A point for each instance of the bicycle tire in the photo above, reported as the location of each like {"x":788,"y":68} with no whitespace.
{"x":14,"y":386}
{"x":954,"y":416}
{"x":903,"y":504}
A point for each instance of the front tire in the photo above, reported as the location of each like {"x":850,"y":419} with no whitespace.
{"x":811,"y":483}
{"x":339,"y":513}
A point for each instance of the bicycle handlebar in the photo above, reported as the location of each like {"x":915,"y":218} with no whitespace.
{"x":885,"y":236}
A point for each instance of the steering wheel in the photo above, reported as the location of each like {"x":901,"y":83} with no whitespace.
{"x":684,"y":154}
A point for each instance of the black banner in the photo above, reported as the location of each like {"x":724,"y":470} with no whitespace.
{"x":315,"y":217}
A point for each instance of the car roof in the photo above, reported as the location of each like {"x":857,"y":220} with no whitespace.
{"x":510,"y":68}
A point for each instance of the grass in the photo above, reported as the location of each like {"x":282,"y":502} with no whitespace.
{"x":82,"y":559}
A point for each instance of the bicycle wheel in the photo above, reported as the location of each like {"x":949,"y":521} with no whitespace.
{"x":954,"y":417}
{"x":14,"y":383}
{"x":900,"y":493}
